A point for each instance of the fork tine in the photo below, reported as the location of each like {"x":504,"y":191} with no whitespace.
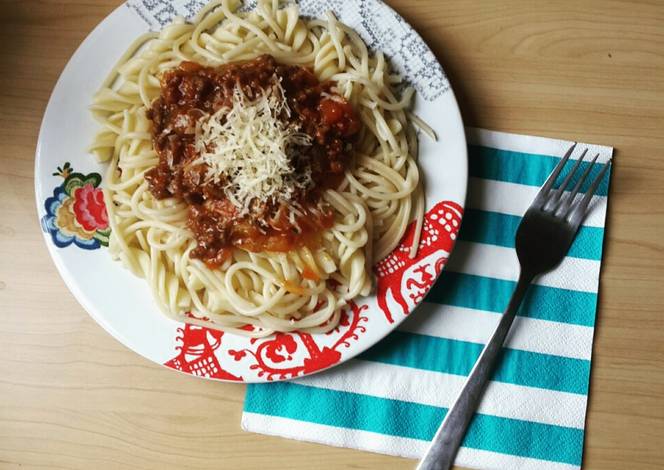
{"x":548,"y":184}
{"x":563,"y":186}
{"x":557,"y":196}
{"x":579,"y":183}
{"x":578,"y":210}
{"x":570,"y":198}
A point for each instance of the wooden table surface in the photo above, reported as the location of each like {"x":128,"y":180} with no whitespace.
{"x":73,"y":397}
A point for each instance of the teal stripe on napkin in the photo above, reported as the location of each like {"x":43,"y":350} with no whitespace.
{"x":458,"y":357}
{"x":492,"y":295}
{"x":523,"y":168}
{"x":412,"y":420}
{"x":499,"y":229}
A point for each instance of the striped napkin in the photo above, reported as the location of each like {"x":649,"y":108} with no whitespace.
{"x":392,"y":398}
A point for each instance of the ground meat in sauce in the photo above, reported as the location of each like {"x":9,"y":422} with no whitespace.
{"x":192,"y":91}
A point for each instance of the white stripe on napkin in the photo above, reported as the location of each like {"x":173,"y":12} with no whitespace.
{"x":527,"y":334}
{"x":530,"y":143}
{"x":375,"y":442}
{"x":431,"y":388}
{"x":502,"y":263}
{"x":515,"y":199}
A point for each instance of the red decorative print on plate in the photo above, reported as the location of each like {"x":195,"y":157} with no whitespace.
{"x":197,"y":353}
{"x":408,"y":280}
{"x":288,"y":355}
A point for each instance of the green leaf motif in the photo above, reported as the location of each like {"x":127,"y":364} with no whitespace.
{"x":77,"y":180}
{"x":103,"y":236}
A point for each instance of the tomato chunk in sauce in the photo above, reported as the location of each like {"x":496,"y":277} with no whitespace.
{"x":192,"y":92}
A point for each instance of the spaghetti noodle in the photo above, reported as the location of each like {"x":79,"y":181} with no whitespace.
{"x":305,"y":286}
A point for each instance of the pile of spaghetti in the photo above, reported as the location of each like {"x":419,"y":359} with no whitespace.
{"x":260,"y":164}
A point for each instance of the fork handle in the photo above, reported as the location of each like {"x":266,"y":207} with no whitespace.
{"x":446,"y":442}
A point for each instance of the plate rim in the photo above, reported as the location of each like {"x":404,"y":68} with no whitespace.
{"x":102,"y":321}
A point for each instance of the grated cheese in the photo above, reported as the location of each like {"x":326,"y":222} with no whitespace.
{"x":250,"y":147}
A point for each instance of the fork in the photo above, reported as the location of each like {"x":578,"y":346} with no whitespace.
{"x":542,"y":240}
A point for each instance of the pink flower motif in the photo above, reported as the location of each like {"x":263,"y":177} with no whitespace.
{"x":89,"y":208}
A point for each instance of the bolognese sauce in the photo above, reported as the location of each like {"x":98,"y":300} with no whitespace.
{"x":327,"y":127}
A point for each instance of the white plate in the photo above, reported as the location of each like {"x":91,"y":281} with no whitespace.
{"x":72,"y":213}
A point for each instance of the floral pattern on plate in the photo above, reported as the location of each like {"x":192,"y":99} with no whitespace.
{"x":76,"y":212}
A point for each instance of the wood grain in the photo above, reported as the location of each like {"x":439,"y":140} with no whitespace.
{"x":72,"y":397}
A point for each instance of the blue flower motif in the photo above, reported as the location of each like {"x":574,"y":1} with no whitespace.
{"x":49,"y":223}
